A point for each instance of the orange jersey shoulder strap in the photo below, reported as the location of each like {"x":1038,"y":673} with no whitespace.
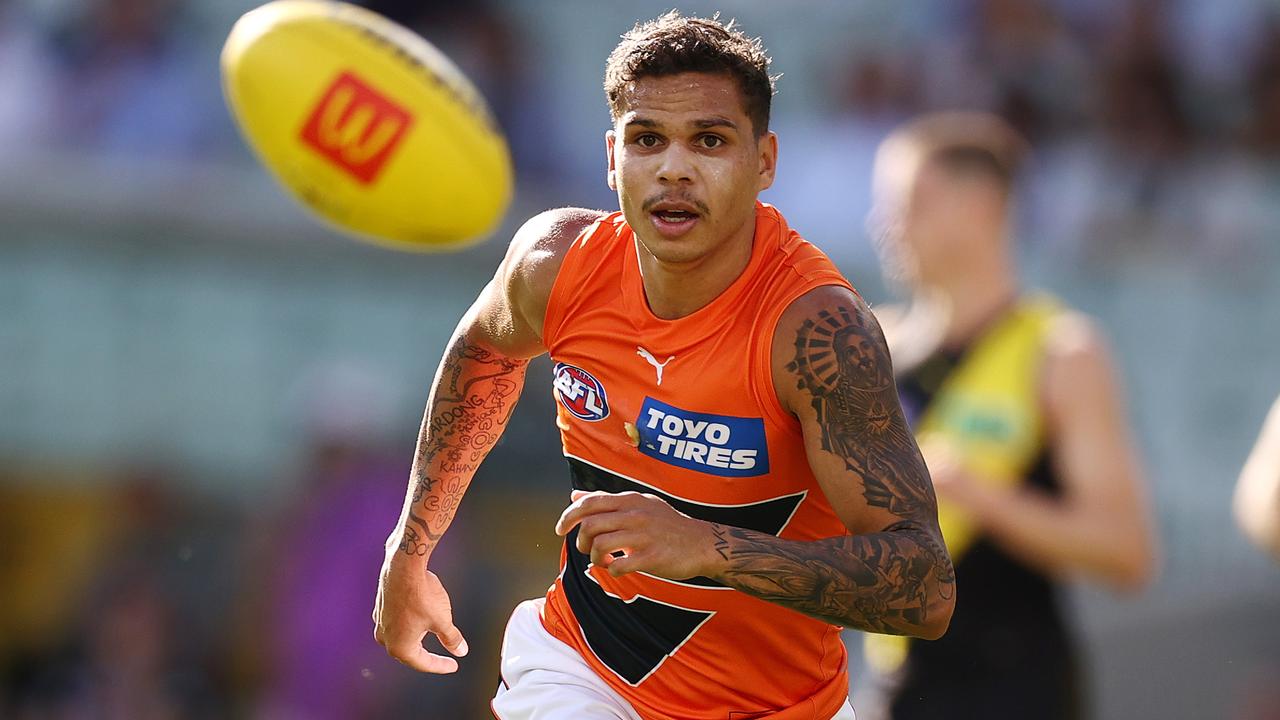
{"x":801,"y":268}
{"x":592,"y":247}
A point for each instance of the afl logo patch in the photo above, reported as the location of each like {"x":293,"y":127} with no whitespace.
{"x":580,"y":393}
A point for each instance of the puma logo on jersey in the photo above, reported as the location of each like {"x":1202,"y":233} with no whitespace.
{"x":715,"y":444}
{"x":649,"y":358}
{"x":580,"y":393}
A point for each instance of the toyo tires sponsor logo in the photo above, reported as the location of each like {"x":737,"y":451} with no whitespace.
{"x":580,"y":393}
{"x":716,"y":444}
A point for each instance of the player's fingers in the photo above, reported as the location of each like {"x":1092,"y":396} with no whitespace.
{"x":583,"y":502}
{"x":452,"y":640}
{"x":377,"y":618}
{"x":589,"y":504}
{"x":595,"y":525}
{"x":606,"y":544}
{"x":618,"y":567}
{"x":419,"y":659}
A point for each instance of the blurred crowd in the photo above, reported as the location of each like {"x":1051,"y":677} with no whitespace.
{"x":1137,"y":108}
{"x":1154,"y":122}
{"x":133,"y":597}
{"x":1156,"y":126}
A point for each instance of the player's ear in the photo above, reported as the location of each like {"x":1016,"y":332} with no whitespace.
{"x":612,"y":177}
{"x":768,"y":156}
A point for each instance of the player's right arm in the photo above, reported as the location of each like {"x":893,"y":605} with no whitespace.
{"x":476,"y":387}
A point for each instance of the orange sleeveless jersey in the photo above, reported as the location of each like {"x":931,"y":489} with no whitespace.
{"x":715,"y":442}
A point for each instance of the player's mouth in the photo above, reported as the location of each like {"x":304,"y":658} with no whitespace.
{"x":674,"y":218}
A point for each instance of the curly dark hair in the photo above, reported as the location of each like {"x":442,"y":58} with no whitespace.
{"x":672,"y":43}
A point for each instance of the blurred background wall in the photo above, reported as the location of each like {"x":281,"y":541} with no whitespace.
{"x":208,"y":401}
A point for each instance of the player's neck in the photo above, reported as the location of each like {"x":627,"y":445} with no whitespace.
{"x":974,"y":300}
{"x":676,"y":290}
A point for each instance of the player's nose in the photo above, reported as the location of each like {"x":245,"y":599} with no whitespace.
{"x":676,"y":165}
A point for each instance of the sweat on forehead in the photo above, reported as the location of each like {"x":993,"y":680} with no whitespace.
{"x":707,"y":95}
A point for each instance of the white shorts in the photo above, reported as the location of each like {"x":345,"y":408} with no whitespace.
{"x":544,"y":679}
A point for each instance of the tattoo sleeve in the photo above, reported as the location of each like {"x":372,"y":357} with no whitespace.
{"x":475,"y":391}
{"x":890,"y":581}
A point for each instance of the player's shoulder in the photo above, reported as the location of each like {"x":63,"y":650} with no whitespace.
{"x":1072,"y":337}
{"x":539,"y":247}
{"x":808,"y":327}
{"x":545,"y":238}
{"x":833,"y":301}
{"x":1077,"y":358}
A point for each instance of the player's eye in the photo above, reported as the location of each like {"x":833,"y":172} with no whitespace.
{"x":647,"y":141}
{"x":711,"y":142}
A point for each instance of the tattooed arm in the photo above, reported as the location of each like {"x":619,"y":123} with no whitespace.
{"x":475,"y":390}
{"x":891,"y":573}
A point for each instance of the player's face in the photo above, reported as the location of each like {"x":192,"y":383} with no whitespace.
{"x":917,"y":221}
{"x":687,"y":166}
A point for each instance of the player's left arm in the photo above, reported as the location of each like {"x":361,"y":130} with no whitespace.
{"x":890,"y":573}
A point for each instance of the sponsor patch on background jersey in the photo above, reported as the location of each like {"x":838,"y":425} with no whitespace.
{"x":716,"y":444}
{"x":580,"y":393}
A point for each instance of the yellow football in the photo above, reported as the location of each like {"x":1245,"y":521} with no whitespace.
{"x":367,"y":123}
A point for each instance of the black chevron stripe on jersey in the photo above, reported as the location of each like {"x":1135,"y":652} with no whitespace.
{"x":767,"y":516}
{"x":633,"y":637}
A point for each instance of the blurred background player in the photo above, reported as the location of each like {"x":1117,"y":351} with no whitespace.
{"x":1257,"y":496}
{"x":766,"y":458}
{"x":1018,"y":411}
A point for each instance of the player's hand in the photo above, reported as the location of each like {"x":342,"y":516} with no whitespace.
{"x":411,"y":603}
{"x":652,"y":536}
{"x":951,"y":480}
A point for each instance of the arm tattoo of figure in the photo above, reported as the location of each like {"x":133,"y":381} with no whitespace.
{"x":475,"y":393}
{"x":842,"y":361}
{"x":885,"y":581}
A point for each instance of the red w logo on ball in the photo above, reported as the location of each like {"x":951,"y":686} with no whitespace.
{"x":356,"y":127}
